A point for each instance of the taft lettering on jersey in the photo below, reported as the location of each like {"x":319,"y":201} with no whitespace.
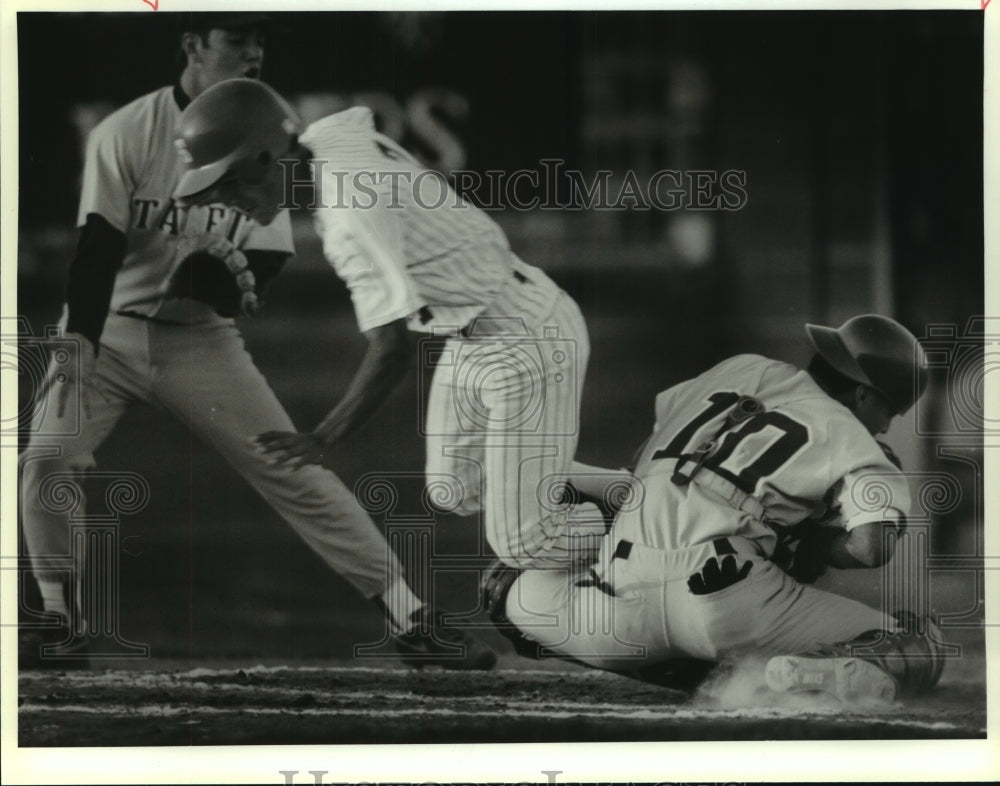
{"x":177,"y":220}
{"x":131,"y":169}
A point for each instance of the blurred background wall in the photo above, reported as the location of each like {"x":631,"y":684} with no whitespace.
{"x":853,"y":142}
{"x":859,"y":135}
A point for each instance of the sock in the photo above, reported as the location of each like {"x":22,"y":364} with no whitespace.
{"x":400,"y":604}
{"x":54,"y":598}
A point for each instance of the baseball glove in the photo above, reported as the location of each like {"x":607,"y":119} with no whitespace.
{"x":716,"y":576}
{"x":809,"y":559}
{"x":213,"y":271}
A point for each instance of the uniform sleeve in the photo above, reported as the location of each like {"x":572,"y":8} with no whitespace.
{"x":99,"y":255}
{"x":871,"y":493}
{"x":109,"y":176}
{"x":363,"y":241}
{"x":276,"y":236}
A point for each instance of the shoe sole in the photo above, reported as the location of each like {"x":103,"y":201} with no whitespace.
{"x":848,"y":679}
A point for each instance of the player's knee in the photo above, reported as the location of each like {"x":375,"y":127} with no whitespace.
{"x":50,"y":486}
{"x":537,"y":604}
{"x":314,"y":491}
{"x":448,"y":494}
{"x":468,"y":507}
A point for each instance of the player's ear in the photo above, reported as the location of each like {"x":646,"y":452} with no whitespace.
{"x":853,"y":398}
{"x":860,"y":395}
{"x":298,"y":153}
{"x":189,"y":45}
{"x":865,"y":393}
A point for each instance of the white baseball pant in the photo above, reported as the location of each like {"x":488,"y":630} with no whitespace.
{"x":638,"y":610}
{"x":202,"y":375}
{"x":503,"y":422}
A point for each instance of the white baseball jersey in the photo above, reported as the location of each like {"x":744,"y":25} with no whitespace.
{"x":130,"y":172}
{"x":404,"y":242}
{"x":199,"y":370}
{"x":803,"y":456}
{"x":408,"y":246}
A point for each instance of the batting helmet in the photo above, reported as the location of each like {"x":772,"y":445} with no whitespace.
{"x":239,"y":127}
{"x":878,"y":352}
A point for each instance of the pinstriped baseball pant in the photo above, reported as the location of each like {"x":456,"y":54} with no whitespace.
{"x":502,"y":425}
{"x":205,"y":378}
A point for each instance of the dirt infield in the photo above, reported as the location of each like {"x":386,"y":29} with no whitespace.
{"x":229,"y":704}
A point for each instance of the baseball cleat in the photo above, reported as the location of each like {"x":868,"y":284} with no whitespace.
{"x":848,"y":679}
{"x":431,"y":643}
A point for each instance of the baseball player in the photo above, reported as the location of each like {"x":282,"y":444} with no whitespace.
{"x":153,"y":290}
{"x":712,"y":553}
{"x":503,"y":410}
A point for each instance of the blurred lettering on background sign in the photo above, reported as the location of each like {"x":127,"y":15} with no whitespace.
{"x":420,"y":122}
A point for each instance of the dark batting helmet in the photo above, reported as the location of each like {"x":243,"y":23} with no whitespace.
{"x":875,"y":351}
{"x":238,"y":127}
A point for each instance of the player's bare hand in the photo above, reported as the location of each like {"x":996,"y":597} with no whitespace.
{"x":75,"y":375}
{"x":291,"y":448}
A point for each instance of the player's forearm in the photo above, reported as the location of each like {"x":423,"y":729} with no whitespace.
{"x":386,"y":361}
{"x":99,"y":255}
{"x":822,"y":546}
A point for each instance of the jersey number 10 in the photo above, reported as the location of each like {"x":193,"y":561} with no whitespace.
{"x":757,"y":448}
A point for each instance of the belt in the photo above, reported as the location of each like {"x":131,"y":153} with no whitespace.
{"x":469,"y":330}
{"x":737,"y":499}
{"x":721,"y":546}
{"x":426,"y":315}
{"x":657,"y":565}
